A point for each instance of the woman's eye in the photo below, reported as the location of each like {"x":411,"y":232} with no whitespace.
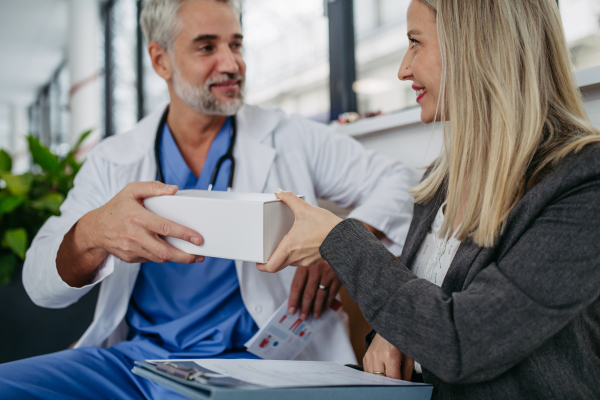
{"x":414,"y":42}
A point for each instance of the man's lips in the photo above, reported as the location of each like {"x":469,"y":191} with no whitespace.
{"x":229,"y":85}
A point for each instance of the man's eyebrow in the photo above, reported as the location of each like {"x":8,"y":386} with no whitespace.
{"x":238,"y":36}
{"x":414,"y":32}
{"x":202,"y":38}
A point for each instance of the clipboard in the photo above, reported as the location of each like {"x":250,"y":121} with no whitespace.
{"x":232,"y":389}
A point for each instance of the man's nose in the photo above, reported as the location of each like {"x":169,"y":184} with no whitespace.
{"x":227,"y":62}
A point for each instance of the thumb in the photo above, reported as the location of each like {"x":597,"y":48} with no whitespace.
{"x":289,"y":198}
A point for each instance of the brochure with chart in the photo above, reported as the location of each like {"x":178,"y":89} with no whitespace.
{"x":286,"y":335}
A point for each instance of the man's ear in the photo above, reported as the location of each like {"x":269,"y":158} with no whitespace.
{"x":161,"y":62}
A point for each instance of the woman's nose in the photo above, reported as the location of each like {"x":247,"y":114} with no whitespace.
{"x":405,"y":71}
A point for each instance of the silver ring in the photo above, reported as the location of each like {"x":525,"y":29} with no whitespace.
{"x":323,"y":287}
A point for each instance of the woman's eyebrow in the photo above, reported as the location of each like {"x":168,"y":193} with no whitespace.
{"x":414,"y":32}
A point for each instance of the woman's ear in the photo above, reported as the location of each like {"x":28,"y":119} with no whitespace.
{"x":161,"y":62}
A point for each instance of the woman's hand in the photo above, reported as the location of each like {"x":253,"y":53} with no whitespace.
{"x":382,"y":356}
{"x":300,"y":247}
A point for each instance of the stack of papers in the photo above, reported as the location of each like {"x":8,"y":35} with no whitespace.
{"x":287,"y":374}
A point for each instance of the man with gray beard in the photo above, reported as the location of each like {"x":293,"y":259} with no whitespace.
{"x":157,"y":302}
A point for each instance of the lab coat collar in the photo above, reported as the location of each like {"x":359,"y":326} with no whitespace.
{"x":254,"y":125}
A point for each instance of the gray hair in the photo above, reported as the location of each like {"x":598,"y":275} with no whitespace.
{"x":160,"y":21}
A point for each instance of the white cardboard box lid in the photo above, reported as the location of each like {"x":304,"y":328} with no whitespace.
{"x":230,"y":196}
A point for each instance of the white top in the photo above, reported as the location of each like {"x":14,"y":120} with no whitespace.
{"x":435,"y":256}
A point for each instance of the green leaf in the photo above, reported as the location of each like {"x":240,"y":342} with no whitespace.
{"x":42,"y":155}
{"x":16,"y":240}
{"x":82,"y":138}
{"x":17,"y":184}
{"x":8,"y":265}
{"x":50,"y":202}
{"x":9,"y":203}
{"x":5,"y":161}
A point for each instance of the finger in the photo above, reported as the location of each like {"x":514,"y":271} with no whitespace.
{"x":296,"y":289}
{"x":392,"y":366}
{"x":377,"y":365}
{"x":289,"y":198}
{"x":310,"y":290}
{"x":320,"y":300}
{"x":165,"y":227}
{"x":408,"y":365}
{"x":143,"y":190}
{"x":164,"y":251}
{"x":334,"y":289}
{"x":367,"y":364}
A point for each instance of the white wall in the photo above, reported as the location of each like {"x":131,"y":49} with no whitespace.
{"x":403,"y":137}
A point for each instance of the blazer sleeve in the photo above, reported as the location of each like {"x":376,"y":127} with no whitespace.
{"x":41,"y":280}
{"x":511,"y":307}
{"x":376,"y":186}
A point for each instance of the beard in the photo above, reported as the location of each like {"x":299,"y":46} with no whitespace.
{"x":201,"y":100}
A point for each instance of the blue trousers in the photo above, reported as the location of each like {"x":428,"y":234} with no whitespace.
{"x":90,"y":373}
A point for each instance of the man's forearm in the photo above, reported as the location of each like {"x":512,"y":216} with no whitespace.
{"x":77,"y":258}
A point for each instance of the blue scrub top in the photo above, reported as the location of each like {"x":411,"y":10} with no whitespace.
{"x":193,"y":310}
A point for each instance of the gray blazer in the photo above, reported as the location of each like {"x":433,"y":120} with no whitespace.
{"x":520,"y":320}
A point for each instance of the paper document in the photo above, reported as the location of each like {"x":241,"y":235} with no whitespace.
{"x":288,"y":374}
{"x":285,"y":336}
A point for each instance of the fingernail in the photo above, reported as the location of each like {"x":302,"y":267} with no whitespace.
{"x":200,"y":259}
{"x":292,"y":310}
{"x":316,"y":316}
{"x":303,"y":316}
{"x":196,"y":241}
{"x":279,"y":191}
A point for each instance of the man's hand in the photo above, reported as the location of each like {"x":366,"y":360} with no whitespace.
{"x":125,"y":229}
{"x":305,"y":291}
{"x":382,"y":356}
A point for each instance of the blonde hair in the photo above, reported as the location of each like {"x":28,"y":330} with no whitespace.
{"x":509,"y":100}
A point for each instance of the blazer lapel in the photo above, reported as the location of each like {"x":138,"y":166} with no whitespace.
{"x":423,"y":217}
{"x":460,"y":267}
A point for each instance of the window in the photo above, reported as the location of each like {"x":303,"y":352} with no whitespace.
{"x":380,"y":35}
{"x":286,"y":49}
{"x":581,"y":21}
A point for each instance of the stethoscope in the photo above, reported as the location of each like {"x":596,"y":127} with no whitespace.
{"x":225,"y":157}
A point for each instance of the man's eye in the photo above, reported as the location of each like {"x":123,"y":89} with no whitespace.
{"x":206,"y":48}
{"x":236,"y":46}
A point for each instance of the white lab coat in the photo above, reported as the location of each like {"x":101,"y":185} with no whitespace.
{"x":272,"y":151}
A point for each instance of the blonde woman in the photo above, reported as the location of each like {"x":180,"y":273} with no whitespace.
{"x":497,"y":292}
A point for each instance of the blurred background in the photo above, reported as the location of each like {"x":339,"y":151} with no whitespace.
{"x":70,"y":66}
{"x":73,"y":65}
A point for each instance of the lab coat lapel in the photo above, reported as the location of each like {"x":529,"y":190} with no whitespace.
{"x":254,"y":157}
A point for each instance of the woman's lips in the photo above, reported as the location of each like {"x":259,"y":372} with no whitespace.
{"x":421,"y":91}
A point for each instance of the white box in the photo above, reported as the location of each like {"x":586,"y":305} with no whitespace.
{"x":236,"y":226}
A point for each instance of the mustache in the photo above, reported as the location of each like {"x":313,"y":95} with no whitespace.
{"x":224,"y":78}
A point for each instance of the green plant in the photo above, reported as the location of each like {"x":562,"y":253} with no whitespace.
{"x":28,"y":200}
